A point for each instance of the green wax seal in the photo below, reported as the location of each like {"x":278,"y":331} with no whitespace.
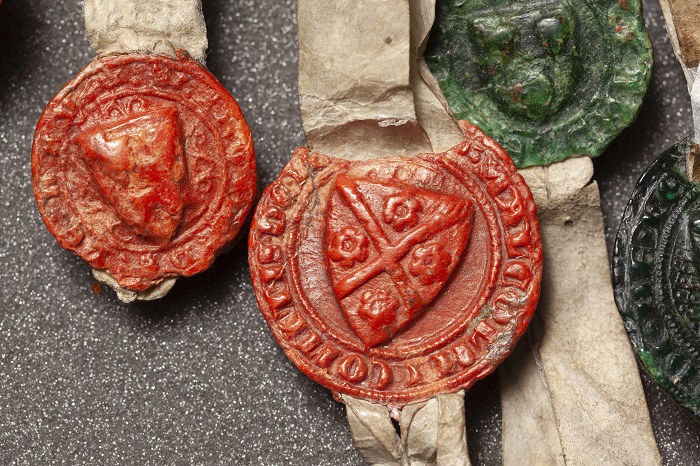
{"x":546,"y":79}
{"x":656,"y":275}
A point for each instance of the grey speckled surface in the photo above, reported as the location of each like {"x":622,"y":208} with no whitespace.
{"x":197,"y":378}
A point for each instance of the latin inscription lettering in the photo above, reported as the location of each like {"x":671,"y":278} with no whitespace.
{"x":381,"y":375}
{"x":482,"y":334}
{"x":414,"y":375}
{"x":353,"y":368}
{"x":277,"y":294}
{"x":445,"y":363}
{"x":292,"y":323}
{"x":308,"y":342}
{"x":273,"y":222}
{"x":324,"y":355}
{"x":464,"y":355}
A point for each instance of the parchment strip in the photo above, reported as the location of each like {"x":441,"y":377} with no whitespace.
{"x":681,"y":18}
{"x":579,"y":348}
{"x":684,"y":15}
{"x":354,"y":79}
{"x":432,"y":432}
{"x":433,"y":112}
{"x":375,"y":438}
{"x":148,"y":26}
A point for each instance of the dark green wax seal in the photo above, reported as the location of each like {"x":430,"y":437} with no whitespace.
{"x":656,"y":275}
{"x":547,"y":79}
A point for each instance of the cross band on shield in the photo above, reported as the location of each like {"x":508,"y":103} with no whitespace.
{"x":392,"y":248}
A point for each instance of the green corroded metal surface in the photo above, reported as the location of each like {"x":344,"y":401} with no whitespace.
{"x":656,"y":275}
{"x":546,"y":79}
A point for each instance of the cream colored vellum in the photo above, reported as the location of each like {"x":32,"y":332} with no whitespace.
{"x":529,"y":428}
{"x":126,"y":296}
{"x":354,"y":79}
{"x":693,"y":161}
{"x":432,"y":109}
{"x":373,"y":432}
{"x":684,"y":16}
{"x":574,"y":396}
{"x":432,"y":432}
{"x":147,"y":26}
{"x":690,"y":73}
{"x":419,"y":432}
{"x":452,"y":433}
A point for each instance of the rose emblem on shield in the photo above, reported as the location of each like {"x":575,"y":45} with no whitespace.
{"x":392,"y":247}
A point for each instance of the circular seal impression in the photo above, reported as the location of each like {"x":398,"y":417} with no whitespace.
{"x":144,"y":166}
{"x":656,"y":275}
{"x":547,"y":79}
{"x":396,"y":279}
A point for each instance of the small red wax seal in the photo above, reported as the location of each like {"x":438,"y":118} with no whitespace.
{"x":396,"y":279}
{"x":144,"y":166}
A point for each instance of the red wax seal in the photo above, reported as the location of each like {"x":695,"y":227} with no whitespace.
{"x":144,"y":166}
{"x":396,"y":279}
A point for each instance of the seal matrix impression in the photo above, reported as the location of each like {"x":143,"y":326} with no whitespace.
{"x":656,"y":274}
{"x":547,"y":79}
{"x":144,"y":166}
{"x":396,"y":279}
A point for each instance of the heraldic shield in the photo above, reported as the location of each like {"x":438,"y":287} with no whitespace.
{"x":391,"y":249}
{"x":139,"y":166}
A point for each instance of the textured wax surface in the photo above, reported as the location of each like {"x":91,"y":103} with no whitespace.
{"x":511,"y":67}
{"x":662,"y":218}
{"x":384,"y":216}
{"x":197,"y":378}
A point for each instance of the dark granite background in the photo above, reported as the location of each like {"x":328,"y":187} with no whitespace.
{"x":197,"y":378}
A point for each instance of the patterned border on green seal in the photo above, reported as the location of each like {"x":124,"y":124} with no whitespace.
{"x":547,"y":79}
{"x":656,"y":275}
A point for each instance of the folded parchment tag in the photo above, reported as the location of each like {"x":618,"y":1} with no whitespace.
{"x":147,"y":26}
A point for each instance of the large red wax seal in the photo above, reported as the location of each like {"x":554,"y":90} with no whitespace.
{"x":144,"y":166}
{"x":396,"y":279}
